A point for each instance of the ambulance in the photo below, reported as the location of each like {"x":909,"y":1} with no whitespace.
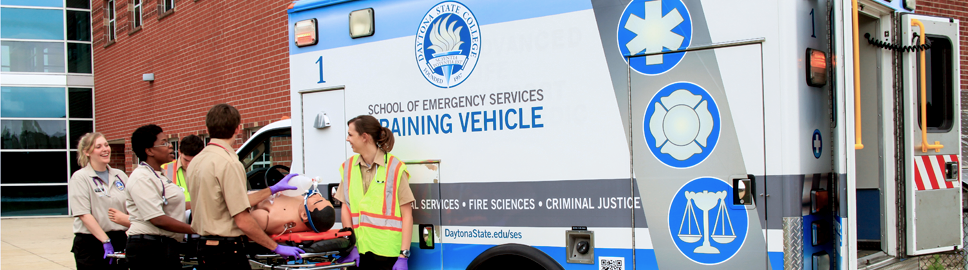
{"x":645,"y":134}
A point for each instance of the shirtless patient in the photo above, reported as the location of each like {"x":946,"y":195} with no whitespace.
{"x":281,"y":213}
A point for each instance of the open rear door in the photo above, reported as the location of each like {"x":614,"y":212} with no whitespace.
{"x":932,"y":129}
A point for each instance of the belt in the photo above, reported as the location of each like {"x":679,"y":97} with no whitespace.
{"x":238,"y":241}
{"x":220,"y":238}
{"x":150,"y":237}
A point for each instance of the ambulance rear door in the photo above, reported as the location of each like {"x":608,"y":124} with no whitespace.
{"x":932,"y":129}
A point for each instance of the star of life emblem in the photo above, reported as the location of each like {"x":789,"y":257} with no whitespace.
{"x":448,"y":44}
{"x":654,"y":26}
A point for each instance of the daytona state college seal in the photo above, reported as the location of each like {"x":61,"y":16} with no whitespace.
{"x":448,"y":44}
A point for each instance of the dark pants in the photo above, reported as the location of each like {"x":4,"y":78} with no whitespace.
{"x":222,"y":253}
{"x":370,"y":261}
{"x":89,"y":252}
{"x":152,"y":252}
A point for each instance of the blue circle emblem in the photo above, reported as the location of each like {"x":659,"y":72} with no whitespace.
{"x":681,"y":125}
{"x":448,"y":44}
{"x":652,"y":27}
{"x":703,"y":222}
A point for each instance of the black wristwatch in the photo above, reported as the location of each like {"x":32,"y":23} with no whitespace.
{"x":405,"y":253}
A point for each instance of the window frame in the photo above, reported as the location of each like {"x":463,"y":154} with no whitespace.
{"x":110,"y":22}
{"x":136,"y":15}
{"x":165,"y":8}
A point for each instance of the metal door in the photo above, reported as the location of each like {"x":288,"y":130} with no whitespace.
{"x":697,"y":140}
{"x":321,"y":127}
{"x":932,"y":128}
{"x":426,"y":246}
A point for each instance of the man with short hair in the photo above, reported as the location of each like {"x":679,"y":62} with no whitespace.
{"x":187,"y":150}
{"x":220,"y":209}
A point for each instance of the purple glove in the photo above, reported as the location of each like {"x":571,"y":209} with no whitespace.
{"x":287,"y":251}
{"x":108,"y":249}
{"x":354,"y":256}
{"x":401,"y":264}
{"x":283,"y":184}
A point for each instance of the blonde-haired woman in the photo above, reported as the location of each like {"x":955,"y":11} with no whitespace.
{"x":92,"y":190}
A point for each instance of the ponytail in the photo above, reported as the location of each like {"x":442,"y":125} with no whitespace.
{"x":382,"y":136}
{"x":385,"y":141}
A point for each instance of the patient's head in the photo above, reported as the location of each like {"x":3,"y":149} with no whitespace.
{"x":291,"y":212}
{"x":321,"y":213}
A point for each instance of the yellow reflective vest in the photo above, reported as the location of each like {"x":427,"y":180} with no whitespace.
{"x":176,"y":173}
{"x":376,"y":213}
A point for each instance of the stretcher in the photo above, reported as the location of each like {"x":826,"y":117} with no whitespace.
{"x":321,"y":248}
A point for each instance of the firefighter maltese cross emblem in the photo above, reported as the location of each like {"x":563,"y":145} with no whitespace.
{"x":681,"y":125}
{"x":705,"y":225}
{"x":654,"y":26}
{"x":448,"y":44}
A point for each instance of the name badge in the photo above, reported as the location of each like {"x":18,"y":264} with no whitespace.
{"x":120,"y":185}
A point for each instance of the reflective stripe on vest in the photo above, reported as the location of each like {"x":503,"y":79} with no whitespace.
{"x":376,"y":217}
{"x":347,"y":170}
{"x":170,"y":169}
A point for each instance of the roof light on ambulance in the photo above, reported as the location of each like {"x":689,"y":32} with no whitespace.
{"x":306,"y":34}
{"x":816,"y":68}
{"x":361,"y":23}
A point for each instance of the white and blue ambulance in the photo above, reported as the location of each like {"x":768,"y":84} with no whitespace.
{"x":669,"y":134}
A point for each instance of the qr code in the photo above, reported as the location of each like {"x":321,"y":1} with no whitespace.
{"x":611,"y":263}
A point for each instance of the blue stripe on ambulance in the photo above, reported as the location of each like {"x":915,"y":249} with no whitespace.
{"x":395,"y":19}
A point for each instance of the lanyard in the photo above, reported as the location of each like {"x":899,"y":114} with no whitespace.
{"x":386,"y":159}
{"x":101,"y":187}
{"x":163,"y":197}
{"x":219,"y":146}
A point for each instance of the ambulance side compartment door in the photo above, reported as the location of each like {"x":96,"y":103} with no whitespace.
{"x":426,"y":248}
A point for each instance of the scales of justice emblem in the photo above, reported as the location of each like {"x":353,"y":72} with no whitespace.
{"x":448,"y":44}
{"x":709,"y":235}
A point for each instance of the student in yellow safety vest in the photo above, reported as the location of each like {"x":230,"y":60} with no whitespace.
{"x":187,"y":149}
{"x":383,"y":224}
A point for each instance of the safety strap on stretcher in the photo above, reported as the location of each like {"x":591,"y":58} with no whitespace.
{"x":311,"y":236}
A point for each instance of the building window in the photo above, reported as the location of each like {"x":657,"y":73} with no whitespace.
{"x":28,"y":23}
{"x":32,"y":56}
{"x":165,"y":8}
{"x":109,"y":21}
{"x":41,"y":121}
{"x":39,"y":127}
{"x":135,"y":15}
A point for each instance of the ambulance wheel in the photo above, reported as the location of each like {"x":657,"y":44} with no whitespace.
{"x":513,"y":256}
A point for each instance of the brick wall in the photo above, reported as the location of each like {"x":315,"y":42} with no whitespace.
{"x":957,"y":9}
{"x":204,"y":53}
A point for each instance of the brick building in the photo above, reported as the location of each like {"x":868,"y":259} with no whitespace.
{"x":201,"y":53}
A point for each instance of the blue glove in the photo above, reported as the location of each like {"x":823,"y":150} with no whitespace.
{"x":401,"y":264}
{"x":354,"y":256}
{"x":108,"y":249}
{"x":283,"y":184}
{"x":288,"y":251}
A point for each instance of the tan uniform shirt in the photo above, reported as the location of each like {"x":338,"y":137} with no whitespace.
{"x":218,"y":188}
{"x":404,"y":194}
{"x":88,"y":195}
{"x":145,"y":202}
